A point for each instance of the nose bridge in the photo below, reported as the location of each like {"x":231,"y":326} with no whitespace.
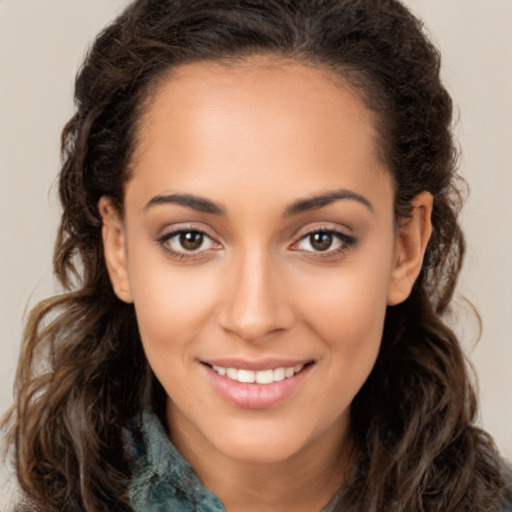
{"x":256,"y":303}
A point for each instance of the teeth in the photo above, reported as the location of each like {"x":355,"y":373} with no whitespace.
{"x":245,"y":376}
{"x":219,"y":369}
{"x":265,"y":377}
{"x":289,"y":372}
{"x":232,"y":373}
{"x":260,"y":377}
{"x":279,"y":374}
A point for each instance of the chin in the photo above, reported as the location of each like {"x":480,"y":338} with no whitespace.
{"x":262,"y":441}
{"x":261,"y":451}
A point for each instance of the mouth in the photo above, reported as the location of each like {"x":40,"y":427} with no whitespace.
{"x":257,"y":385}
{"x":269,"y":376}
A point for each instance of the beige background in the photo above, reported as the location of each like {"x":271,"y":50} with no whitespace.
{"x":41,"y":45}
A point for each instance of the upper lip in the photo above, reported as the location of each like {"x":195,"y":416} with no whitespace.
{"x":255,"y":365}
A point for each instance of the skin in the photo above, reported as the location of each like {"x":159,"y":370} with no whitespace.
{"x":255,"y":139}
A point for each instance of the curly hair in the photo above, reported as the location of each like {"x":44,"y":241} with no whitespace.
{"x":83,"y":374}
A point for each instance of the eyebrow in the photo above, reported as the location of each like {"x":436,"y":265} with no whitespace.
{"x":319,"y":201}
{"x":204,"y":205}
{"x":196,"y":203}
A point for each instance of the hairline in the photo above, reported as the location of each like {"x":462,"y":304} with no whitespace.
{"x":346,"y":77}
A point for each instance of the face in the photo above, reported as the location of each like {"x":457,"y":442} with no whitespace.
{"x":259,"y":248}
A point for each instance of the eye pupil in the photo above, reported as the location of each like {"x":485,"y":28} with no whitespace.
{"x":191,"y":240}
{"x":321,"y":241}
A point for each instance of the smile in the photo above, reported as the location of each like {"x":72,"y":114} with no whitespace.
{"x":258,"y":377}
{"x":257,"y":385}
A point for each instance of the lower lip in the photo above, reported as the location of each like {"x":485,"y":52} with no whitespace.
{"x":256,"y":396}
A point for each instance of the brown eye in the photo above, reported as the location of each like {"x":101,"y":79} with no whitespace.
{"x":185,"y":244}
{"x":191,"y":240}
{"x":321,"y":241}
{"x":325,"y":241}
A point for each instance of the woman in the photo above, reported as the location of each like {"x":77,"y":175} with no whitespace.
{"x":259,"y":237}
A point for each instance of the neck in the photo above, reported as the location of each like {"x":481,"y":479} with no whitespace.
{"x":284,"y":486}
{"x":304,"y":482}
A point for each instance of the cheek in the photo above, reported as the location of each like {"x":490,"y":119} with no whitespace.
{"x":348,"y":300}
{"x":346,"y":310}
{"x":172,"y":304}
{"x":172,"y":307}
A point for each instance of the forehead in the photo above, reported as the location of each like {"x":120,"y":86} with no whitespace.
{"x":300,"y":126}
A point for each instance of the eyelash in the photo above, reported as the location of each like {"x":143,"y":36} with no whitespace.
{"x":165,"y":240}
{"x":346,"y":242}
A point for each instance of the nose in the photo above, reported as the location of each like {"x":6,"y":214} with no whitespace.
{"x":256,"y":303}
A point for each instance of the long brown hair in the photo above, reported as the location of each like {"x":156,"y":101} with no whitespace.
{"x":82,"y":373}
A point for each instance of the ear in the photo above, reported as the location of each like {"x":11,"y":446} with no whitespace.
{"x":411,"y":243}
{"x":114,"y":247}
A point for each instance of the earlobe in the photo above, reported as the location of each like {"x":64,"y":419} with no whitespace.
{"x":114,"y":248}
{"x":411,"y":243}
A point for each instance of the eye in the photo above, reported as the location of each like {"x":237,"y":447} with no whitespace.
{"x":324,"y":241}
{"x":186,"y":242}
{"x":190,"y":241}
{"x":321,"y":241}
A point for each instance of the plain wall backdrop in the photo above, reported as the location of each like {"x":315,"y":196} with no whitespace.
{"x":41,"y":46}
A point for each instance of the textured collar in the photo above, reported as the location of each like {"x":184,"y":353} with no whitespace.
{"x":162,"y":479}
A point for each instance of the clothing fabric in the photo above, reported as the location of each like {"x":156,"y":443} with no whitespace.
{"x":163,"y":481}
